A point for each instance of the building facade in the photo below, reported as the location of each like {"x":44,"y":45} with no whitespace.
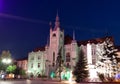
{"x":49,"y":54}
{"x":43,"y":61}
{"x":23,"y":64}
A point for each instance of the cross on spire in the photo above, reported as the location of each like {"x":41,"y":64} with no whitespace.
{"x":57,"y":22}
{"x":74,"y":35}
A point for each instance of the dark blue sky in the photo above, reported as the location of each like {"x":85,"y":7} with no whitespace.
{"x":24,"y":24}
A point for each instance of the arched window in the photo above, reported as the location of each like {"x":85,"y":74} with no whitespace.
{"x":32,"y":58}
{"x":38,"y":65}
{"x":32,"y":65}
{"x":61,"y":35}
{"x":54,"y":35}
{"x":68,"y":65}
{"x":39,"y":57}
{"x":53,"y":64}
{"x":68,"y":57}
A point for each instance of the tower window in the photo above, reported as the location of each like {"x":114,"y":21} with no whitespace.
{"x":68,"y":57}
{"x":53,"y":56}
{"x":53,"y":64}
{"x":61,"y":35}
{"x":68,"y":65}
{"x":32,"y":65}
{"x":54,"y":35}
{"x":38,"y":65}
{"x":32,"y":58}
{"x":38,"y":57}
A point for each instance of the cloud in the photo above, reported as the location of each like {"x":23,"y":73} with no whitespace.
{"x":3,"y":15}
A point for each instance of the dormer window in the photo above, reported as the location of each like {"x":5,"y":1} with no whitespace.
{"x":54,"y":35}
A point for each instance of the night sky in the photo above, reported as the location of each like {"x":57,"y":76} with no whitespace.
{"x":24,"y":24}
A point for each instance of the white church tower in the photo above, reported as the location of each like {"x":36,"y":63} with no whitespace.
{"x":56,"y":42}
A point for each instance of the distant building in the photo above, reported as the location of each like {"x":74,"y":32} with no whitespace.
{"x":36,"y":62}
{"x":23,"y":64}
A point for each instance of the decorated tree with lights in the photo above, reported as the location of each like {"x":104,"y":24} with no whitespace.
{"x":109,"y":57}
{"x":80,"y":71}
{"x":110,"y":50}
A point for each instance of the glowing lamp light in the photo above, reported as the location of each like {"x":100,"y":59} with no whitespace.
{"x":52,"y":75}
{"x":2,"y":76}
{"x":7,"y":61}
{"x":117,"y":76}
{"x":4,"y":60}
{"x":93,"y":73}
{"x":29,"y":71}
{"x":69,"y":76}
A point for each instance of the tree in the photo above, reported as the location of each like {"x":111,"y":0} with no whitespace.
{"x":5,"y":54}
{"x":80,"y":70}
{"x":21,"y":72}
{"x":17,"y":71}
{"x":11,"y":69}
{"x":60,"y":67}
{"x":59,"y":63}
{"x":109,"y":50}
{"x":2,"y":66}
{"x":110,"y":56}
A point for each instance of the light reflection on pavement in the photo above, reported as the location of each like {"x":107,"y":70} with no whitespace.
{"x":38,"y":82}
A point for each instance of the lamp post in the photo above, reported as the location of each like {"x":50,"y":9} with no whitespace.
{"x":5,"y":61}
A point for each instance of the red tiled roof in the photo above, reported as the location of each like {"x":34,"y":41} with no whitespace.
{"x":67,"y":39}
{"x":39,"y":49}
{"x":25,"y":58}
{"x":95,"y":41}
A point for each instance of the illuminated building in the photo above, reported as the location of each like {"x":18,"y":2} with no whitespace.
{"x":42,"y":61}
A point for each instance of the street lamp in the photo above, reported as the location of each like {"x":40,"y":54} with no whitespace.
{"x":5,"y":61}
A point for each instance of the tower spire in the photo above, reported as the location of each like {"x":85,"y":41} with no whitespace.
{"x":50,"y":23}
{"x":57,"y":22}
{"x":48,"y":41}
{"x":74,"y":35}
